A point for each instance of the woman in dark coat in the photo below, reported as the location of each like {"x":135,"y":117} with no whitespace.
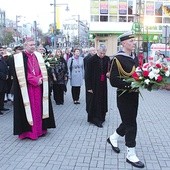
{"x":60,"y":76}
{"x":3,"y":80}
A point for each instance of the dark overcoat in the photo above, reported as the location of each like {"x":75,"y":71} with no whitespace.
{"x":96,"y":102}
{"x":3,"y":74}
{"x":20,"y":121}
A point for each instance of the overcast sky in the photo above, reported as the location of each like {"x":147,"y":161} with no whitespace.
{"x":42,"y":12}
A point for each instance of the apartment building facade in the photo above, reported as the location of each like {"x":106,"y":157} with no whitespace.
{"x":110,"y":18}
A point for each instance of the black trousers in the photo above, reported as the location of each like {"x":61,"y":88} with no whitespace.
{"x":128,"y":106}
{"x":2,"y":96}
{"x":58,"y":93}
{"x":75,"y":90}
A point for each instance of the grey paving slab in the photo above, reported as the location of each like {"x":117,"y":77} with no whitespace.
{"x":77,"y":145}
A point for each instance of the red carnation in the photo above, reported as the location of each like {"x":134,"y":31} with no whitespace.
{"x":158,"y":65}
{"x":135,"y":76}
{"x":159,"y":78}
{"x":145,"y":73}
{"x":165,"y":68}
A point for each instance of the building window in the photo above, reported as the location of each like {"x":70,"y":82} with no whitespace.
{"x":158,"y":8}
{"x":94,"y":7}
{"x":130,"y":7}
{"x":166,"y":9}
{"x":112,"y":18}
{"x":113,"y":7}
{"x":94,"y":18}
{"x":123,"y":10}
{"x":122,"y":7}
{"x":130,"y":19}
{"x":103,"y":18}
{"x":166,"y":20}
{"x":158,"y":19}
{"x":149,"y":8}
{"x":103,"y":7}
{"x":122,"y":19}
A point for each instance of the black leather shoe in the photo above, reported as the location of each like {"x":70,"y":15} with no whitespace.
{"x":97,"y":123}
{"x":138,"y":164}
{"x":1,"y":113}
{"x":116,"y":149}
{"x":4,"y":109}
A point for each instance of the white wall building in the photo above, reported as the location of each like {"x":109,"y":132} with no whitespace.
{"x":110,"y":18}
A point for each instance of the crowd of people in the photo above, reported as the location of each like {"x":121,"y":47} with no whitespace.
{"x":30,"y":76}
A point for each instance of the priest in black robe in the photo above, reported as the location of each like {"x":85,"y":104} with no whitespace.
{"x":97,"y":67}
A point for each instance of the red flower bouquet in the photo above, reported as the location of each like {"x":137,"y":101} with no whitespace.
{"x":150,"y":76}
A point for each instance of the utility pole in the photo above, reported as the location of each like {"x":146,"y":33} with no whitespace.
{"x":2,"y":18}
{"x":78,"y":29}
{"x":35,"y":33}
{"x":2,"y":23}
{"x":55,"y":29}
{"x":139,"y":21}
{"x":17,"y":20}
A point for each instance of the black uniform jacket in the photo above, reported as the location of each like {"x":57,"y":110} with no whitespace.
{"x":127,"y":62}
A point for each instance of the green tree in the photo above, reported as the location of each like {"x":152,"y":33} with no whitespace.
{"x":8,"y":38}
{"x":75,"y":41}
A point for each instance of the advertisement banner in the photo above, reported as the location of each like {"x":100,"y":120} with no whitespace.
{"x":166,"y":9}
{"x":122,"y":7}
{"x":149,"y":8}
{"x":94,"y":7}
{"x":113,"y":7}
{"x":58,"y":23}
{"x":103,"y":7}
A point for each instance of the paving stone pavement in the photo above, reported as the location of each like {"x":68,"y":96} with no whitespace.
{"x":77,"y":145}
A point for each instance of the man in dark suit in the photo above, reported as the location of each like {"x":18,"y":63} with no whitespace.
{"x":3,"y":80}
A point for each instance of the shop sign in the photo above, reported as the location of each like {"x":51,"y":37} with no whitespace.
{"x":70,"y":26}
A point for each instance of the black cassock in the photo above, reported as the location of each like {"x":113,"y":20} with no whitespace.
{"x":20,"y":121}
{"x":95,"y":79}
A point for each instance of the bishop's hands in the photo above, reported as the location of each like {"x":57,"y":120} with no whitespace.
{"x":40,"y":81}
{"x":30,"y":123}
{"x":108,"y":74}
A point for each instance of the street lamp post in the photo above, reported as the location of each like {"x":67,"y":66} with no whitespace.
{"x":55,"y":28}
{"x":2,"y":18}
{"x":2,"y":22}
{"x":35,"y":33}
{"x":78,"y":28}
{"x":148,"y":21}
{"x":147,"y":52}
{"x":17,"y":20}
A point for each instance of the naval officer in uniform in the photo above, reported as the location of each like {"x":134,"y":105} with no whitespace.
{"x":123,"y":65}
